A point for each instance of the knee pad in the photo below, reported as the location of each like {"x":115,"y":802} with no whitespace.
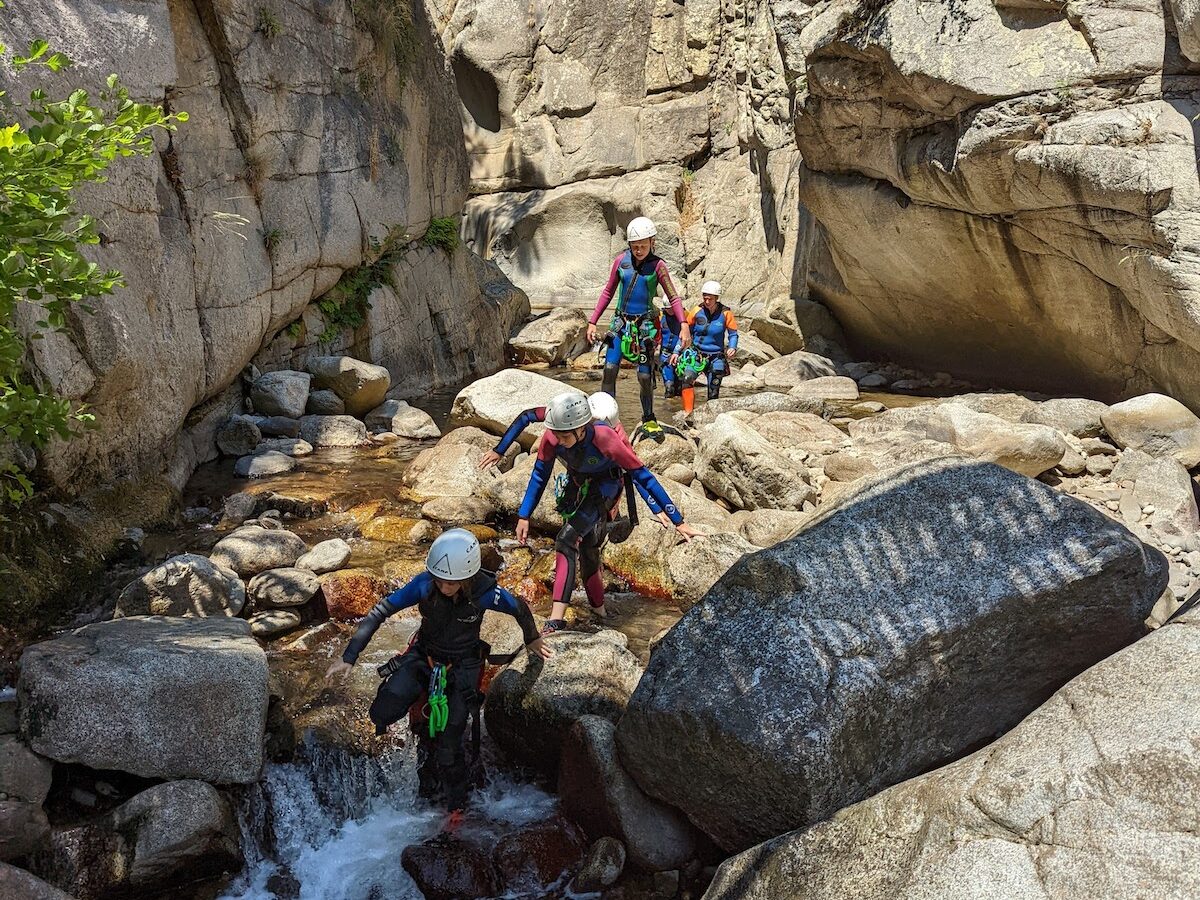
{"x":567,"y":541}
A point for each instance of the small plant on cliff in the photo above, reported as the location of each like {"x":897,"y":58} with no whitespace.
{"x":390,"y":24}
{"x":48,"y":149}
{"x":268,"y":23}
{"x":442,"y":233}
{"x":272,"y":238}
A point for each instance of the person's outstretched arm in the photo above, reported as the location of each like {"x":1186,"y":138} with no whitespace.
{"x":676,"y":301}
{"x":501,"y":600}
{"x":409,"y":595}
{"x":519,"y":424}
{"x":731,"y":332}
{"x":608,"y":443}
{"x":537,"y":483}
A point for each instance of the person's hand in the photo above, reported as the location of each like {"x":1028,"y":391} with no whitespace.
{"x":591,"y":333}
{"x":673,"y":360}
{"x":522,"y":531}
{"x":489,"y":459}
{"x":685,"y":337}
{"x":665,"y":521}
{"x":540,"y":648}
{"x":338,"y":669}
{"x":729,"y":352}
{"x":688,"y":532}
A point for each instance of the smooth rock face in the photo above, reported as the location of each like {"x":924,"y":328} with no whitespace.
{"x":186,"y":585}
{"x":764,"y":402}
{"x":553,"y":338}
{"x":766,"y":527}
{"x":16,"y":882}
{"x":334,"y":431}
{"x":532,"y":703}
{"x":238,"y":436}
{"x":281,"y":394}
{"x":351,"y":593}
{"x":361,"y":385}
{"x":24,"y":828}
{"x":874,"y":668}
{"x":262,"y":465}
{"x":737,"y":463}
{"x":447,"y":469}
{"x":252,"y":549}
{"x":1157,"y":425}
{"x":278,"y":588}
{"x":1028,"y":449}
{"x":827,"y":387}
{"x":458,"y":510}
{"x":492,"y":403}
{"x":280,"y":427}
{"x":1104,"y":814}
{"x":23,"y":774}
{"x":597,"y":793}
{"x":785,"y":373}
{"x":1073,"y":415}
{"x":697,"y":565}
{"x":273,"y":622}
{"x":157,"y":697}
{"x":326,"y":556}
{"x":325,"y":403}
{"x":402,"y":420}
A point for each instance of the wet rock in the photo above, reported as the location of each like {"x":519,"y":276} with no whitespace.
{"x":537,"y":856}
{"x":446,"y":867}
{"x":350,"y":593}
{"x":737,"y":463}
{"x":238,"y":436}
{"x":361,"y":385}
{"x":448,"y":469}
{"x":272,"y":623}
{"x":492,"y":403}
{"x":394,"y":529}
{"x":601,"y":866}
{"x":403,"y":421}
{"x":1073,"y":415}
{"x":286,"y":446}
{"x":334,"y":431}
{"x":1157,"y":425}
{"x":694,"y":566}
{"x":597,"y":793}
{"x":186,"y":585}
{"x":132,"y":694}
{"x":533,"y":702}
{"x":1076,"y":771}
{"x":553,"y":338}
{"x":22,"y":885}
{"x":278,"y":588}
{"x":280,"y":427}
{"x":24,"y":829}
{"x":827,"y":387}
{"x":239,"y":507}
{"x":852,"y":688}
{"x":785,"y":373}
{"x":325,"y":403}
{"x":766,"y":527}
{"x":23,"y":774}
{"x":252,"y":549}
{"x":1028,"y":449}
{"x":327,"y":556}
{"x":280,"y":394}
{"x":450,"y":511}
{"x":261,"y":465}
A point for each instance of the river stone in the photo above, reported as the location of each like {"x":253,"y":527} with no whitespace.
{"x":280,"y":394}
{"x":763,"y":402}
{"x":238,"y":436}
{"x":271,"y":623}
{"x":252,"y":549}
{"x":278,"y":588}
{"x":22,"y":885}
{"x":533,"y":702}
{"x":1157,"y":425}
{"x":597,"y":793}
{"x":552,"y":338}
{"x":450,"y":511}
{"x":262,"y":465}
{"x":927,"y":611}
{"x":24,"y":829}
{"x":1092,"y":795}
{"x":493,"y":403}
{"x":658,"y":457}
{"x":1071,"y":415}
{"x":679,"y":472}
{"x":785,"y":373}
{"x":157,"y":697}
{"x":446,"y":867}
{"x":766,"y":527}
{"x":23,"y":774}
{"x":1028,"y":449}
{"x":334,"y":431}
{"x":403,"y":420}
{"x":534,"y":858}
{"x":350,"y":593}
{"x":601,"y":867}
{"x":327,"y":556}
{"x":325,"y":403}
{"x":286,"y":446}
{"x":695,"y":566}
{"x":239,"y":507}
{"x":447,"y":469}
{"x":737,"y":463}
{"x":185,"y":585}
{"x":827,"y":387}
{"x":1164,"y":484}
{"x":360,"y":384}
{"x":1007,"y":406}
{"x":280,"y":427}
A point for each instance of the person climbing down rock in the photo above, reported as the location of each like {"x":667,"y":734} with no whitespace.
{"x":714,"y":342}
{"x":444,"y":657}
{"x":604,"y":409}
{"x":596,"y":460}
{"x":669,"y":328}
{"x":635,"y":279}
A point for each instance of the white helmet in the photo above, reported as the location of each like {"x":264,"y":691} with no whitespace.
{"x":640,"y":229}
{"x":711,"y":287}
{"x":566,"y":412}
{"x":604,"y":407}
{"x":454,"y":556}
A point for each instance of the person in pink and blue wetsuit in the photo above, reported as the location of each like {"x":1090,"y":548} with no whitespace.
{"x":635,"y":278}
{"x":596,"y":459}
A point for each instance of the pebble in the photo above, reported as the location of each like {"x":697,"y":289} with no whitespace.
{"x":1148,"y":510}
{"x":1112,"y":504}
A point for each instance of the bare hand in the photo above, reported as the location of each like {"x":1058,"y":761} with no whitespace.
{"x":665,"y":521}
{"x":673,"y":359}
{"x":488,"y":460}
{"x":591,"y":333}
{"x":685,"y":337}
{"x":688,"y":532}
{"x":729,"y":352}
{"x":338,"y":669}
{"x":522,"y":531}
{"x":540,"y":648}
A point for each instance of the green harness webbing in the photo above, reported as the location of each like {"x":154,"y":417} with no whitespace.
{"x":439,"y":708}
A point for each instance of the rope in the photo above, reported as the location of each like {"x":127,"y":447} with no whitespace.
{"x":439,"y":707}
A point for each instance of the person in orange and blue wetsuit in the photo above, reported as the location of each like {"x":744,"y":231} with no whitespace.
{"x":635,"y":278}
{"x":714,"y":343}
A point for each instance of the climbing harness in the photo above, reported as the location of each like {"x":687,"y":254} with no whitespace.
{"x":635,"y":335}
{"x":562,"y":503}
{"x":692,"y":361}
{"x":439,"y":707}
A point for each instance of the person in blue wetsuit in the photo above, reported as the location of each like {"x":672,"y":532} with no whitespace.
{"x":714,"y":343}
{"x":596,"y":460}
{"x":452,"y":595}
{"x":669,"y":328}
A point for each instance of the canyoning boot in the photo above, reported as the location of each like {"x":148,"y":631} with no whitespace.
{"x":553,"y":626}
{"x":453,"y":821}
{"x":650,"y":429}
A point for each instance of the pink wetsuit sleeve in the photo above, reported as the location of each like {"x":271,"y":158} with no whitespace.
{"x":546,"y":445}
{"x":668,"y":286}
{"x":606,"y":295}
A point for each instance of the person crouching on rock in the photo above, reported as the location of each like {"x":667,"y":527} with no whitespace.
{"x":714,"y":342}
{"x":452,"y":595}
{"x":596,"y":460}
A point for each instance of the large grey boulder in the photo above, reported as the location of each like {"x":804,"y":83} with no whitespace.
{"x":238,"y":436}
{"x":492,"y":403}
{"x":695,"y":566}
{"x":450,"y":511}
{"x":928,"y":610}
{"x":327,"y":556}
{"x":185,"y":585}
{"x":767,"y":527}
{"x":1028,"y":449}
{"x":1092,"y":795}
{"x":280,"y":427}
{"x":1070,"y":415}
{"x":325,"y":403}
{"x":737,"y":463}
{"x":450,"y":468}
{"x":285,"y":445}
{"x":23,"y":774}
{"x":760,"y":403}
{"x":533,"y":702}
{"x":283,"y":393}
{"x":599,"y":795}
{"x":361,"y":385}
{"x":401,"y":419}
{"x":1157,"y":425}
{"x":827,"y":387}
{"x":785,"y":373}
{"x":18,"y":883}
{"x":277,"y":588}
{"x":24,"y":828}
{"x":157,"y":697}
{"x":554,"y":338}
{"x":334,"y":431}
{"x":252,"y":549}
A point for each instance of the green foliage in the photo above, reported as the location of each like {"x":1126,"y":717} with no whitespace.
{"x":442,"y":233}
{"x":268,"y":25}
{"x":390,"y":24}
{"x":345,"y":304}
{"x":53,"y":147}
{"x":273,"y":237}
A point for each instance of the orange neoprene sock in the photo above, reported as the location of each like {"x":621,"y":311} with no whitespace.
{"x":689,"y":398}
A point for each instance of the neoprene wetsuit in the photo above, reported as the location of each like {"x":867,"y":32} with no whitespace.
{"x":669,"y":329}
{"x":710,"y":332}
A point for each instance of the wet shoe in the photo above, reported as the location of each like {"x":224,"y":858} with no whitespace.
{"x":652,"y":430}
{"x":453,"y":821}
{"x":553,"y":626}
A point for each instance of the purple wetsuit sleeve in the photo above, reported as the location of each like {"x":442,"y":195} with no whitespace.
{"x":668,"y":286}
{"x":606,"y":295}
{"x":520,"y":423}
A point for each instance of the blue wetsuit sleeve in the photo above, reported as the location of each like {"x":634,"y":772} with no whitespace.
{"x":733,"y":338}
{"x":646,"y":481}
{"x":502,"y":601}
{"x":537,"y":486}
{"x":409,"y":595}
{"x":654,"y":506}
{"x":520,"y":423}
